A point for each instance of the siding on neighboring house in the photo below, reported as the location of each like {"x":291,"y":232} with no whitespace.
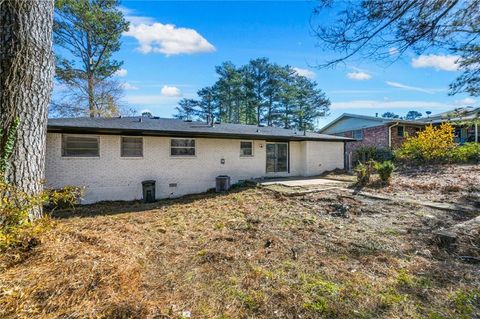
{"x":349,"y":124}
{"x":112,"y":177}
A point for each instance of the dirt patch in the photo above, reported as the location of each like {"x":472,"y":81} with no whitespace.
{"x":251,"y":253}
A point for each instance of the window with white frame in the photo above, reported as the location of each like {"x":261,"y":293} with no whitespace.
{"x":131,"y":146}
{"x":246,"y":148}
{"x":182,"y":147}
{"x":80,"y":145}
{"x":357,"y":134}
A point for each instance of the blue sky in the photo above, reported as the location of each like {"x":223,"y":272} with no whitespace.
{"x":172,"y":48}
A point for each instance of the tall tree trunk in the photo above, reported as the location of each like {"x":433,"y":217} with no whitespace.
{"x":269,"y":116}
{"x":26,"y":72}
{"x":91,"y":95}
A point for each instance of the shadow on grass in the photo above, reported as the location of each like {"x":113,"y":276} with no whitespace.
{"x":106,"y":208}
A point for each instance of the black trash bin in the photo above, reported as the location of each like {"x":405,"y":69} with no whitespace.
{"x":222,"y":183}
{"x":148,"y":191}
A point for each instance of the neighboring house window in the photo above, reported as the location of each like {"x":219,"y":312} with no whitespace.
{"x":400,"y":131}
{"x":182,"y":147}
{"x":132,"y":146}
{"x":357,"y":134}
{"x":80,"y":146}
{"x":246,"y":148}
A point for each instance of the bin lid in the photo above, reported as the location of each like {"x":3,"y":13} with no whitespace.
{"x":223,"y":176}
{"x":148,"y":182}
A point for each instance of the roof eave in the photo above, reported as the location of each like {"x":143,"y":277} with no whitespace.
{"x":111,"y":131}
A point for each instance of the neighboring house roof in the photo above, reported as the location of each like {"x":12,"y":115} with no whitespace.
{"x":174,"y":127}
{"x":362,"y":121}
{"x":458,"y":114}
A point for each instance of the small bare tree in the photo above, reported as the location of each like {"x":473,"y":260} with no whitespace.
{"x":73,"y":101}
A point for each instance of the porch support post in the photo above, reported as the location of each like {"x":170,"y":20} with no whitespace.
{"x":476,"y":132}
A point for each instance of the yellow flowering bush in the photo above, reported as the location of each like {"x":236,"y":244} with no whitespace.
{"x":433,"y":144}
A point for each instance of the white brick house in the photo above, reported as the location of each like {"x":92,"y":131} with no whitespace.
{"x":111,"y":157}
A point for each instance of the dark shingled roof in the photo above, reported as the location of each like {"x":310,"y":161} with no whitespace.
{"x":174,"y":127}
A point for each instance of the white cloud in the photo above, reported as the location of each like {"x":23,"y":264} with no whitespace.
{"x":439,"y":62}
{"x":134,"y":19}
{"x":128,"y":86}
{"x":393,"y":51}
{"x":168,"y":39}
{"x":121,"y":72}
{"x":305,"y":72}
{"x":410,"y":88}
{"x":170,"y":91}
{"x":387,"y":104}
{"x":359,"y":76}
{"x":466,"y":101}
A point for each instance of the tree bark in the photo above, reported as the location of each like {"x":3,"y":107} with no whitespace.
{"x":26,"y":74}
{"x":91,"y":95}
{"x":90,"y":79}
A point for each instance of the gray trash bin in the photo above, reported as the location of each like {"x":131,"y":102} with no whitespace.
{"x":148,"y":191}
{"x":222,"y":183}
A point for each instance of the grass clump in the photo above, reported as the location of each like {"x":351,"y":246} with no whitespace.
{"x":464,"y":302}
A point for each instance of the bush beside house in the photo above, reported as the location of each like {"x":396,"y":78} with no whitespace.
{"x":436,"y":144}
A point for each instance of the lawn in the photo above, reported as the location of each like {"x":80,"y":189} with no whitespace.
{"x":249,"y":253}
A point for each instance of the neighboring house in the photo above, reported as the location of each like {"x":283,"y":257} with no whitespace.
{"x":111,"y":157}
{"x":469,"y":131}
{"x":372,"y":130}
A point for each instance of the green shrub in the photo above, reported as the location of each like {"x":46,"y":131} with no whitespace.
{"x":385,"y":170}
{"x":367,"y":153}
{"x":469,"y":152}
{"x":65,"y":197}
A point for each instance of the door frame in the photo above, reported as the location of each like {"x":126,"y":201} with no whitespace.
{"x":288,"y":157}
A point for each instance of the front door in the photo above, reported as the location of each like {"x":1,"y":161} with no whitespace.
{"x":277,"y":157}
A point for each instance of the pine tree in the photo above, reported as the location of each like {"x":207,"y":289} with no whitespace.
{"x":187,"y":109}
{"x":259,"y":93}
{"x":90,"y":31}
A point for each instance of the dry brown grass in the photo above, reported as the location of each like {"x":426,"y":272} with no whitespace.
{"x":246,"y":254}
{"x":442,"y":183}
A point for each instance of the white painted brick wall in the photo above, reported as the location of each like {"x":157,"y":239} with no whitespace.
{"x":322,"y":156}
{"x":112,"y":177}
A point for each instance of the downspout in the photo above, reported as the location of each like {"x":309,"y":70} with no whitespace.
{"x":390,"y":135}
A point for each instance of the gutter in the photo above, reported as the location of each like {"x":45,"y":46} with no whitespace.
{"x":390,"y":134}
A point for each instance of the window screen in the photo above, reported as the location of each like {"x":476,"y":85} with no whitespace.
{"x":80,"y":146}
{"x":182,"y":147}
{"x":357,"y":134}
{"x":246,"y":148}
{"x":132,"y":146}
